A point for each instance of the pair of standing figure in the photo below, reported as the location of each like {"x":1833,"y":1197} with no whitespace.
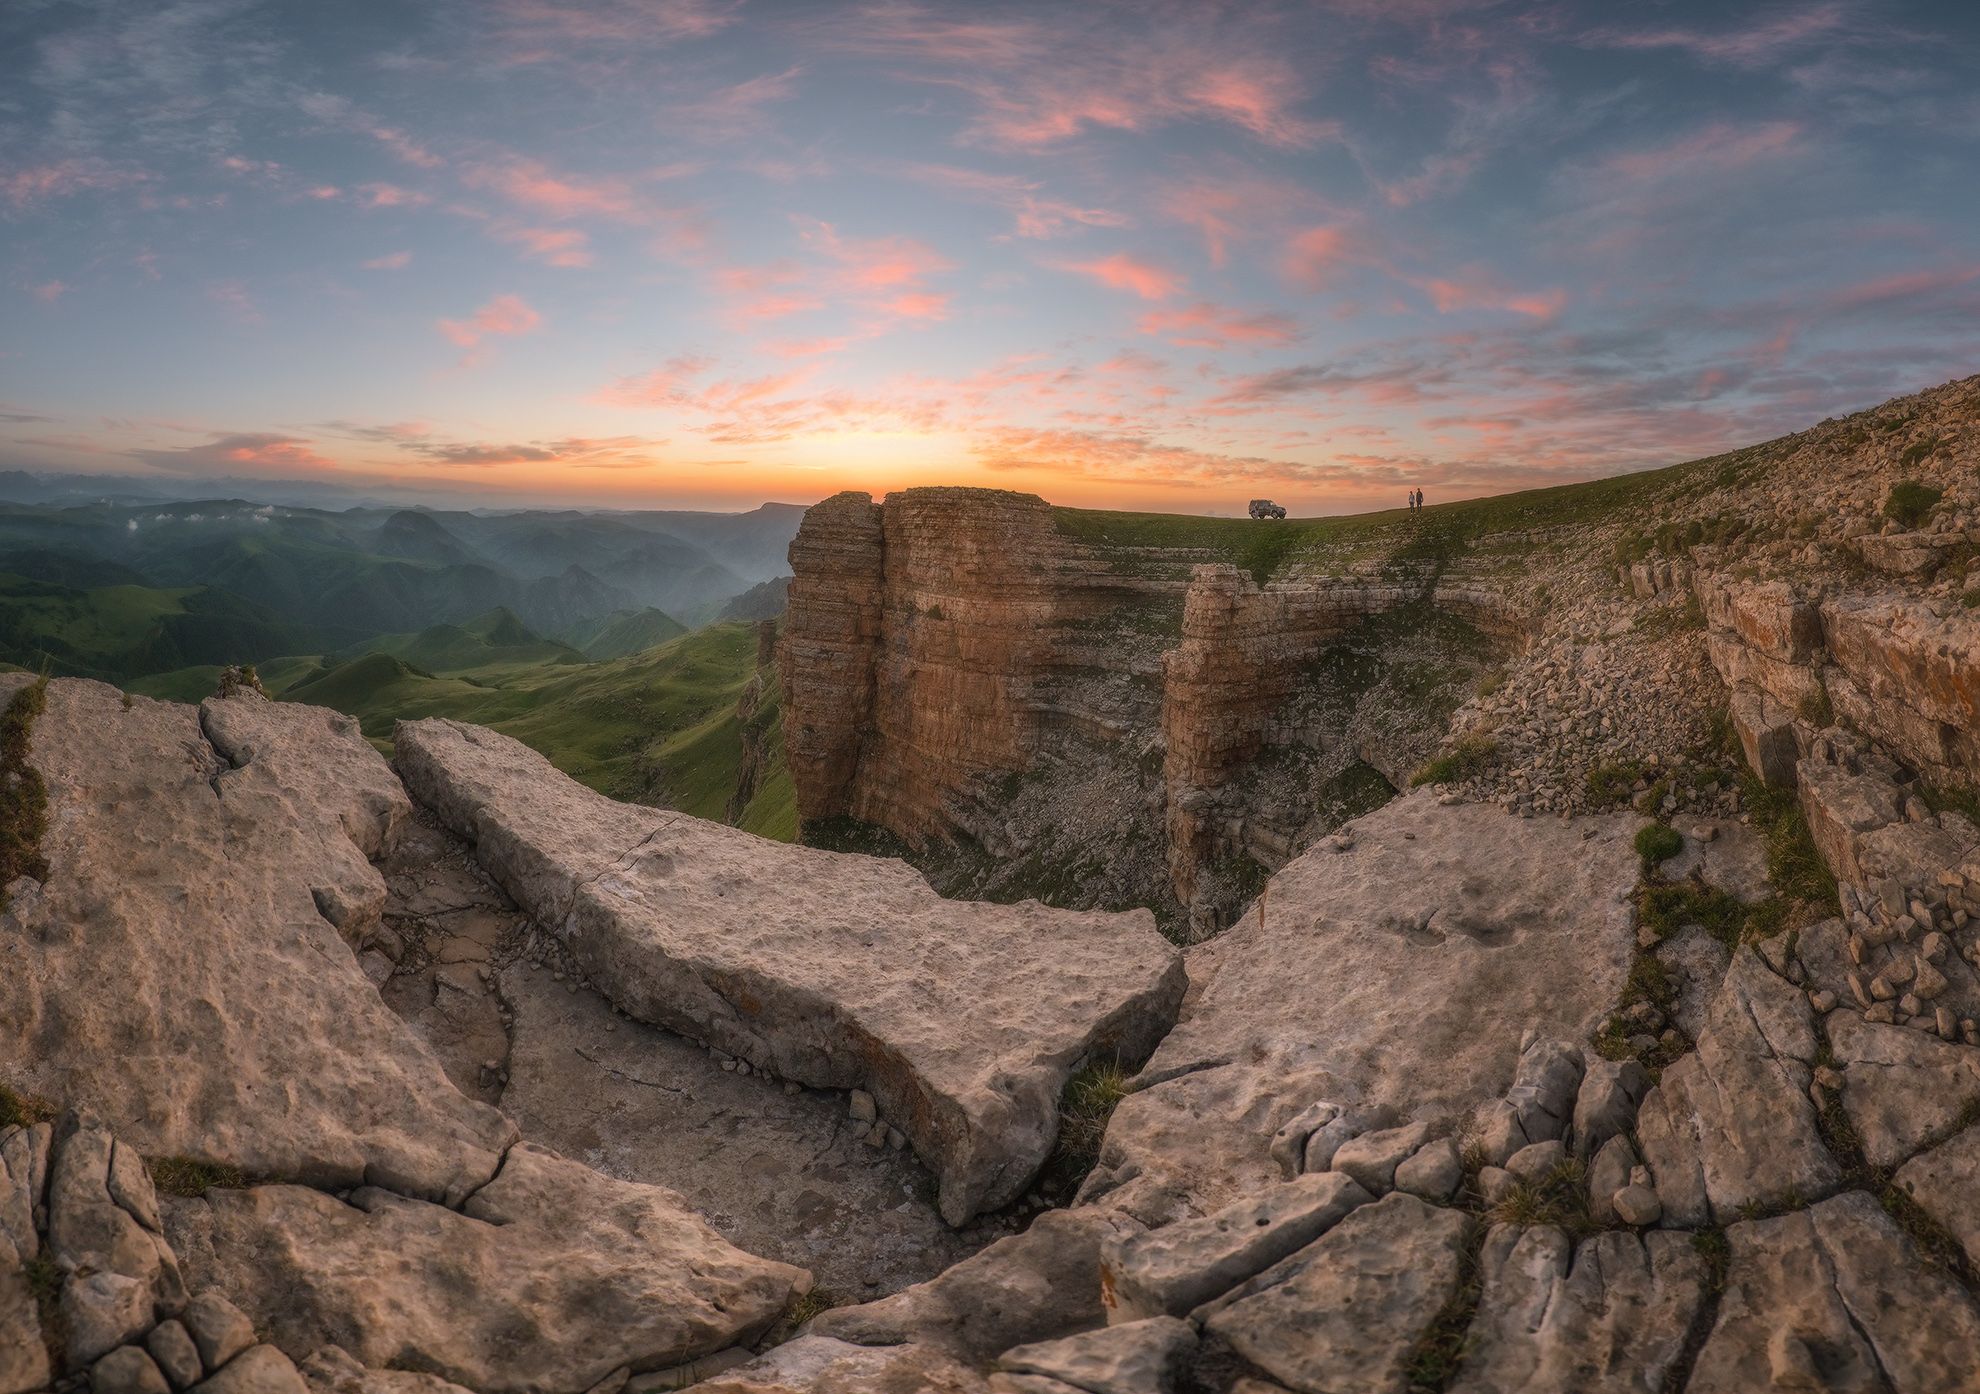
{"x":1415,"y":499}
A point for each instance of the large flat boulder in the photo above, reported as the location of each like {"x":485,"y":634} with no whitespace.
{"x":963,"y":1020}
{"x":1836,"y":1297}
{"x":1730,"y":1126}
{"x":1611,"y":1315}
{"x":552,"y":1278}
{"x":185,"y":970}
{"x":1402,"y":973}
{"x":1345,"y":1314}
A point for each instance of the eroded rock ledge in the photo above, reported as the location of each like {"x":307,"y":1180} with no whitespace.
{"x":963,"y":1020}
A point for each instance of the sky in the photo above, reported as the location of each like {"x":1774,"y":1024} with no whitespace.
{"x":1142,"y":255}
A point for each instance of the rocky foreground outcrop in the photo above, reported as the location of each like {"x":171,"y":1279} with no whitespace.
{"x":187,"y":972}
{"x":1426,"y":940}
{"x":963,"y":1021}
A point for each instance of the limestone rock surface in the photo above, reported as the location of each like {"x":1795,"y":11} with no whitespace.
{"x":1731,"y":1124}
{"x":1343,"y":1315}
{"x":555,"y":1276}
{"x":248,"y":1036}
{"x":1836,"y":1297}
{"x":964,"y":1020}
{"x":1608,"y":1317}
{"x":1401,"y":973}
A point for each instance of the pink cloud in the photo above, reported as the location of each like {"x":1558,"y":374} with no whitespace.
{"x":233,"y":297}
{"x":1717,"y":147}
{"x":505,"y":316}
{"x":1204,"y":325}
{"x":231,"y":453}
{"x":391,"y":261}
{"x":405,"y":147}
{"x":1040,"y":80}
{"x":1761,"y":44}
{"x":1477,"y":290}
{"x":1034,"y":215}
{"x":1123,"y":271}
{"x":1316,"y":257}
{"x":48,"y":292}
{"x":324,"y":192}
{"x":737,"y":111}
{"x":535,"y":185}
{"x":37,"y":183}
{"x":391,"y":196}
{"x":564,"y":247}
{"x":545,"y":31}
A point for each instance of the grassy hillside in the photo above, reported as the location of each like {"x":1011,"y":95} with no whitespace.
{"x":623,"y":632}
{"x":661,"y":727}
{"x":119,"y":631}
{"x":489,"y":646}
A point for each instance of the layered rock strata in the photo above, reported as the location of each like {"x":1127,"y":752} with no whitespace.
{"x":964,"y":1021}
{"x":951,"y":640}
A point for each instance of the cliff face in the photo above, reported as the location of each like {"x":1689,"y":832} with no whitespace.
{"x":957,"y":668}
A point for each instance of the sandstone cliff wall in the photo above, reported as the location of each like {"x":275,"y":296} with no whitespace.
{"x":950,"y":638}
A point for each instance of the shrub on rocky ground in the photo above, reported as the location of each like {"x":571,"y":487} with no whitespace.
{"x":1468,"y":757}
{"x":1909,"y":502}
{"x":1658,"y":843}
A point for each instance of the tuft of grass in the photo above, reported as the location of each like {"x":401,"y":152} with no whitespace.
{"x":1909,"y":502}
{"x":1656,"y":843}
{"x":190,"y":1177}
{"x":1918,"y":452}
{"x":1468,"y":757}
{"x":813,"y":1303}
{"x":1816,"y":709}
{"x":1965,"y":802}
{"x":1799,"y":875}
{"x":1085,"y":1106}
{"x":44,"y":1281}
{"x":1933,"y":1239}
{"x":1610,"y":785}
{"x":1434,"y":1364}
{"x":23,"y":793}
{"x":24,"y":1110}
{"x":1560,"y":1198}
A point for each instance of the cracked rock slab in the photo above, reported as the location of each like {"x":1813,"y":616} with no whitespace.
{"x":821,"y":1365}
{"x":1142,"y":1357}
{"x":1400,"y":974}
{"x":1902,"y":1088}
{"x":1609,"y":1317}
{"x":1731,"y":1125}
{"x":1344,"y":1314}
{"x":964,"y":1020}
{"x":1175,"y":1269}
{"x":236,"y":1027}
{"x":1835,"y":1297}
{"x":553,"y":1278}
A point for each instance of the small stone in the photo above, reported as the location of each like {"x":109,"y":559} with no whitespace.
{"x":860,"y":1104}
{"x":173,"y":1349}
{"x":1495,"y":1184}
{"x":257,"y":1370}
{"x":876,"y":1136}
{"x":1930,"y":981}
{"x":1909,"y":1005}
{"x":1828,"y":1076}
{"x":792,"y":1089}
{"x":1881,"y":989}
{"x":1533,"y":1163}
{"x":896,"y":1139}
{"x":1822,"y":1000}
{"x":219,"y":1329}
{"x":1934,"y":946}
{"x":1947,"y":1023}
{"x":127,"y":1370}
{"x":1881,"y":1013}
{"x":1859,"y":990}
{"x":1433,"y":1172}
{"x":1637,"y":1205}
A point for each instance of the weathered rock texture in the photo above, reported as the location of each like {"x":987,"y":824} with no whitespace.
{"x":1398,"y":974}
{"x":195,"y":848}
{"x":952,"y":640}
{"x":963,"y":1020}
{"x":189,"y":970}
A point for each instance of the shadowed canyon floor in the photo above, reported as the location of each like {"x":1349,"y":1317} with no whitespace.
{"x":1636,"y":1050}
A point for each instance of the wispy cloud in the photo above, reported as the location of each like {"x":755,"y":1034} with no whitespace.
{"x":506,"y":316}
{"x":1136,"y":275}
